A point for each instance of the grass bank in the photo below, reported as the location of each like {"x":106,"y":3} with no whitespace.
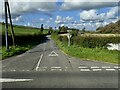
{"x":25,"y":39}
{"x":97,"y":54}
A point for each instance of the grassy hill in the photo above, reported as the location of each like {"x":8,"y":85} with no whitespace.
{"x":110,"y":28}
{"x":25,"y":39}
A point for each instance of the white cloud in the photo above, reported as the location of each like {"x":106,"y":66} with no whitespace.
{"x":112,"y":13}
{"x":87,"y":4}
{"x":17,"y":19}
{"x":93,"y":15}
{"x":89,"y":15}
{"x":42,"y":19}
{"x":63,"y":20}
{"x":18,"y":8}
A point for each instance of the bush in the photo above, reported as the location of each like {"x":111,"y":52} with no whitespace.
{"x":90,"y":41}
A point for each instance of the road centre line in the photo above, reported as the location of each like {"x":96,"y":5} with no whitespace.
{"x":39,"y":62}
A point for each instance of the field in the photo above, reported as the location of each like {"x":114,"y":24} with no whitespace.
{"x":25,"y":39}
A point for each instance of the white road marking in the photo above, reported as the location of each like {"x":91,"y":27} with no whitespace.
{"x":116,"y":67}
{"x":96,"y":69}
{"x":110,"y":69}
{"x":39,"y":62}
{"x":56,"y":67}
{"x":119,"y":69}
{"x":53,"y":53}
{"x":84,"y":69}
{"x":13,"y":70}
{"x":105,"y":67}
{"x":14,"y":80}
{"x":27,"y":70}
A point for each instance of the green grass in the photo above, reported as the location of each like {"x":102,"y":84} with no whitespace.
{"x":88,"y":53}
{"x":25,"y":39}
{"x":22,"y":30}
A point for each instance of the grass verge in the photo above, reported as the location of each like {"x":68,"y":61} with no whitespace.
{"x":97,"y":54}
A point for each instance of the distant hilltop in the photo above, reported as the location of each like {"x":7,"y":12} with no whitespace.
{"x":110,"y":28}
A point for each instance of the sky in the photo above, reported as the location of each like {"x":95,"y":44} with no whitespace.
{"x":54,"y":13}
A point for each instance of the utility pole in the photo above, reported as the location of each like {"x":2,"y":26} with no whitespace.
{"x":7,"y":12}
{"x":12,"y":32}
{"x":6,"y":27}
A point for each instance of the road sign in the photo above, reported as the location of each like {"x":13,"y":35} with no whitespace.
{"x":53,"y":53}
{"x":69,"y":35}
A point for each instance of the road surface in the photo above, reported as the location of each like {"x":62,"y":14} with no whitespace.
{"x":45,"y":66}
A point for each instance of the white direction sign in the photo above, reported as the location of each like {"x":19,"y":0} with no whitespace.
{"x":53,"y":53}
{"x":69,"y":35}
{"x":14,"y":80}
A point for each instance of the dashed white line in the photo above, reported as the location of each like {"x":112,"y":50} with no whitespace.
{"x":96,"y":69}
{"x":13,"y":70}
{"x":105,"y":67}
{"x":84,"y":69}
{"x":110,"y":69}
{"x":56,"y":67}
{"x":116,"y":67}
{"x":39,"y":62}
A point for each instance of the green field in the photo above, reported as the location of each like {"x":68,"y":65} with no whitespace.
{"x":25,"y":39}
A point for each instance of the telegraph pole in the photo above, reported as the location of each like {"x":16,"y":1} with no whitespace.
{"x":12,"y":32}
{"x":6,"y":26}
{"x":7,"y":12}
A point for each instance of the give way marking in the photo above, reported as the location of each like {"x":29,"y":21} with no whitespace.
{"x":53,"y":53}
{"x":14,"y":80}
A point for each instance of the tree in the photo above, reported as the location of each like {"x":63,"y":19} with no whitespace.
{"x":83,"y":30}
{"x":50,"y":30}
{"x":41,"y":29}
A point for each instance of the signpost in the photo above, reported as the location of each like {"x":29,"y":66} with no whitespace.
{"x":69,"y":36}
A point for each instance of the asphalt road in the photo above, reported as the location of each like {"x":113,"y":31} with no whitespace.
{"x":45,"y":66}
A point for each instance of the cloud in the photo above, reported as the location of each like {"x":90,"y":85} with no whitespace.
{"x":113,"y":12}
{"x":63,"y":20}
{"x":21,"y":7}
{"x":93,"y":15}
{"x":87,"y":4}
{"x":17,"y":19}
{"x":42,"y":19}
